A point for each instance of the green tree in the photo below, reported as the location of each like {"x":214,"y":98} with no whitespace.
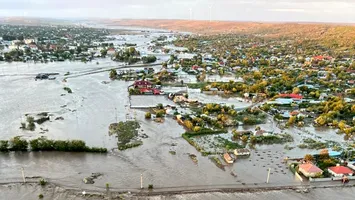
{"x":148,"y":115}
{"x":113,"y":74}
{"x":188,"y":124}
{"x":308,"y":158}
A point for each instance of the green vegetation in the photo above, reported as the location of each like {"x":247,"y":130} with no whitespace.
{"x":309,"y":143}
{"x":148,"y":115}
{"x":43,"y":144}
{"x":125,"y":132}
{"x":229,"y":145}
{"x":122,"y":147}
{"x":42,"y":182}
{"x":271,"y":139}
{"x":40,"y":196}
{"x":150,"y":186}
{"x":68,"y":90}
{"x":198,"y":85}
{"x":4,"y":145}
{"x":251,"y":117}
{"x":113,"y":74}
{"x":149,"y":59}
{"x":130,"y":55}
{"x":42,"y":120}
{"x":18,"y":144}
{"x":160,"y":114}
{"x":31,"y":125}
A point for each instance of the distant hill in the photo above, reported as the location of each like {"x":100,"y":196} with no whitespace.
{"x":338,"y":35}
{"x":30,"y":21}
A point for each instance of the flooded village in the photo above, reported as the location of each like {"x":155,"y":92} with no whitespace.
{"x":130,"y":109}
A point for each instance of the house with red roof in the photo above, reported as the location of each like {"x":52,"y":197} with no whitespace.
{"x":339,"y":171}
{"x":292,"y":96}
{"x":142,"y":84}
{"x":310,"y":170}
{"x":33,"y":47}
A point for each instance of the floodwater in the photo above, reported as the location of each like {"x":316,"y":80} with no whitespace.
{"x":205,"y":98}
{"x":95,"y":103}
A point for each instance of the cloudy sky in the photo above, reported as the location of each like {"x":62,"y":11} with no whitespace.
{"x":236,"y":10}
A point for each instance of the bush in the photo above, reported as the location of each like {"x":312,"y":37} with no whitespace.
{"x":42,"y":120}
{"x":42,"y":182}
{"x":31,"y":125}
{"x":160,"y":106}
{"x":96,"y":150}
{"x":160,"y":114}
{"x":148,"y":115}
{"x":23,"y":126}
{"x":42,"y":144}
{"x":30,"y":119}
{"x":68,"y":89}
{"x":122,"y":147}
{"x":40,"y":196}
{"x":18,"y":144}
{"x":150,"y":186}
{"x":4,"y":145}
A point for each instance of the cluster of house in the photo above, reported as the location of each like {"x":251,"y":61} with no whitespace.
{"x":52,"y":43}
{"x":146,"y":87}
{"x":237,"y":152}
{"x":312,"y":171}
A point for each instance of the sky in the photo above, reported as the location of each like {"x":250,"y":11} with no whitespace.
{"x":233,"y":10}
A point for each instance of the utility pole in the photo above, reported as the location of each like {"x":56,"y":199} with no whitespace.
{"x":268,"y":175}
{"x":116,"y":114}
{"x":141,"y":181}
{"x":23,"y":175}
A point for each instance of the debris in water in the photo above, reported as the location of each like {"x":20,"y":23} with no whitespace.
{"x":90,"y":179}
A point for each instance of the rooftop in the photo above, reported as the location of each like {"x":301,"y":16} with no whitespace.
{"x":309,"y":167}
{"x":341,"y":170}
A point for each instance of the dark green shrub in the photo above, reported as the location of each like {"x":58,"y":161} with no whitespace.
{"x":160,"y":114}
{"x":4,"y":145}
{"x":42,"y":182}
{"x":18,"y":144}
{"x":68,"y":89}
{"x":61,"y":145}
{"x":76,"y":145}
{"x":150,"y":186}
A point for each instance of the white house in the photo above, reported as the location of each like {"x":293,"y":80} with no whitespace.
{"x":29,"y":41}
{"x":242,"y":152}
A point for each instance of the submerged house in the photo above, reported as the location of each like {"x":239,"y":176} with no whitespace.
{"x":142,"y":84}
{"x":242,"y":152}
{"x":228,"y":158}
